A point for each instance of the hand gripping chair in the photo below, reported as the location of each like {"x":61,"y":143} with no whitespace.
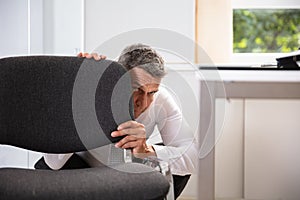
{"x":57,"y":104}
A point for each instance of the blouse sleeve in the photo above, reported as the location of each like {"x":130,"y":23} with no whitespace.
{"x":180,"y":146}
{"x":56,"y":161}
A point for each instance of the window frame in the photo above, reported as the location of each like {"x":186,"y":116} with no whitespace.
{"x":261,"y":58}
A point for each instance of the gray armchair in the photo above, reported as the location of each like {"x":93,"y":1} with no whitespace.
{"x":66,"y":104}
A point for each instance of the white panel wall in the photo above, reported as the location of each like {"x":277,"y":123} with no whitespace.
{"x":36,"y":44}
{"x":106,"y":19}
{"x":21,"y":27}
{"x":13,"y":41}
{"x":14,"y":27}
{"x":62,"y":22}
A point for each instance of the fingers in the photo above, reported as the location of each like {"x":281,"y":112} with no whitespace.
{"x":102,"y":57}
{"x":130,"y":124}
{"x":83,"y":55}
{"x":128,"y":145}
{"x":95,"y":56}
{"x":131,"y":142}
{"x":135,"y":136}
{"x":130,"y":128}
{"x":138,"y":132}
{"x":138,"y":146}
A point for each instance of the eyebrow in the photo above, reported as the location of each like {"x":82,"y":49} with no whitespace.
{"x":151,"y":92}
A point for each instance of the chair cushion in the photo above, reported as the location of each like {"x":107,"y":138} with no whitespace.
{"x":124,"y":181}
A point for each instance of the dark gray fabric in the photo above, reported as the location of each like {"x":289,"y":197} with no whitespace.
{"x":36,"y":103}
{"x":38,"y":96}
{"x":75,"y":162}
{"x":142,"y":182}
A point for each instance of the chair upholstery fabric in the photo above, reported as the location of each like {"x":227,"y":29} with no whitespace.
{"x":141,"y":182}
{"x":38,"y":107}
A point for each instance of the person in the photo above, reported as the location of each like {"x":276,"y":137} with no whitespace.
{"x":153,"y":106}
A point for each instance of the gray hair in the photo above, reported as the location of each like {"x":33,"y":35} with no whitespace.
{"x":143,"y":56}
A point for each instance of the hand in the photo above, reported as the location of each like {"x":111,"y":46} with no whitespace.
{"x":135,"y":139}
{"x":91,"y":55}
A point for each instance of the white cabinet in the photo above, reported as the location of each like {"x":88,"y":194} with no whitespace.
{"x":272,"y":147}
{"x":229,"y":154}
{"x":257,"y":155}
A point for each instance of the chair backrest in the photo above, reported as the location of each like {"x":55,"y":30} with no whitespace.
{"x":57,"y":104}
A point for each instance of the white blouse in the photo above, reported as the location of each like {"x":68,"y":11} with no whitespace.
{"x":180,"y":146}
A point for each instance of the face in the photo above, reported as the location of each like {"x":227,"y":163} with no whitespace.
{"x":145,"y":86}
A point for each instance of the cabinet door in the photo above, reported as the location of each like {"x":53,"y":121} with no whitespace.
{"x":272,"y":146}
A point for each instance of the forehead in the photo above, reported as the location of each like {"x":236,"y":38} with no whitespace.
{"x":149,"y":88}
{"x":140,"y":77}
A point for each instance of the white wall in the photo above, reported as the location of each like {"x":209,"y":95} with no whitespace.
{"x":36,"y":44}
{"x":21,"y":27}
{"x":106,"y":19}
{"x":20,"y":34}
{"x":215,"y":30}
{"x":40,"y":27}
{"x":14,"y":27}
{"x":62,"y":27}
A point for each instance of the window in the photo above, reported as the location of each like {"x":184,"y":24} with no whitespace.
{"x":264,"y":30}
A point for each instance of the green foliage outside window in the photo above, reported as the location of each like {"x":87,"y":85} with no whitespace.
{"x":266,"y":31}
